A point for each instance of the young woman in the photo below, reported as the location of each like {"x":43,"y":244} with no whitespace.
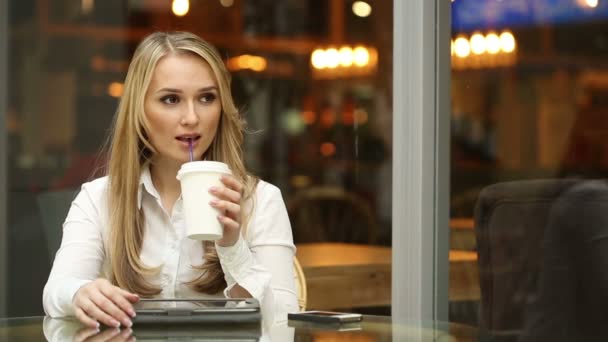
{"x":124,"y":236}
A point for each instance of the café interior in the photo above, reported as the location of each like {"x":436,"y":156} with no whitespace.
{"x":314,"y":82}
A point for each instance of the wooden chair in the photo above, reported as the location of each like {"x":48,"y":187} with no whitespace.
{"x":300,"y":284}
{"x":331,"y":214}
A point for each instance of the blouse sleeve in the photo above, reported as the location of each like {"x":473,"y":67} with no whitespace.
{"x":79,"y":258}
{"x":263,"y":263}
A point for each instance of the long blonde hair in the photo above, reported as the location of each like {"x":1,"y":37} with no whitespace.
{"x":130,"y":149}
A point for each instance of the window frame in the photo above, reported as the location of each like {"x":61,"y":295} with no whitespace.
{"x":3,"y":153}
{"x":421,"y":131}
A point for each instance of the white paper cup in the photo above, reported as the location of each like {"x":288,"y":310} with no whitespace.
{"x":201,"y":218}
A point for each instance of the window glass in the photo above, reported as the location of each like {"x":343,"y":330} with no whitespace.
{"x":313,"y":80}
{"x":528,"y":136}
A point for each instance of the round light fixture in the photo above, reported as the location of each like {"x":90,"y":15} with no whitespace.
{"x":180,"y":7}
{"x":362,"y":9}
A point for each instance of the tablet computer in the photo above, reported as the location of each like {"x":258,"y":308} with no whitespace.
{"x":189,"y":311}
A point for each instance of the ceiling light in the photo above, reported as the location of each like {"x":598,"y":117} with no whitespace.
{"x":362,"y":9}
{"x":478,"y":43}
{"x":461,"y":47}
{"x":591,"y":3}
{"x":492,"y":43}
{"x":507,"y":42}
{"x":180,"y":7}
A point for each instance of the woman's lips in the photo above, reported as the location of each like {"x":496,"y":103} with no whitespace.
{"x":185,"y":141}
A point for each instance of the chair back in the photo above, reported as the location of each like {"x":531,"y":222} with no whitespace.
{"x":331,"y":214}
{"x":54,"y":206}
{"x":510,"y":222}
{"x":300,"y":284}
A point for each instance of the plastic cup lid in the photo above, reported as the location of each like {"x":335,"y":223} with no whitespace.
{"x":203,"y":166}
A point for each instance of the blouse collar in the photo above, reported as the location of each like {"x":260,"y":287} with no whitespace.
{"x":145,"y":183}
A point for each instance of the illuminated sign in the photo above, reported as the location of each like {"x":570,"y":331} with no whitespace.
{"x":470,"y":15}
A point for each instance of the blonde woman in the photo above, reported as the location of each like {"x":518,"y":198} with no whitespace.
{"x":124,"y":236}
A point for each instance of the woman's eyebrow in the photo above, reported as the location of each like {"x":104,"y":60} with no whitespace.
{"x":175,"y":90}
{"x":169,"y":90}
{"x":203,"y":89}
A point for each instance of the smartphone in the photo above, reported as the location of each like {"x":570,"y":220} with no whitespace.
{"x":325,"y":317}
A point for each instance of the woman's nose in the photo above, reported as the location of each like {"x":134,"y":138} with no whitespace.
{"x":190,"y":117}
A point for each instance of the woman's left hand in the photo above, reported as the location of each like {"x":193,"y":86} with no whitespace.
{"x":228,"y":201}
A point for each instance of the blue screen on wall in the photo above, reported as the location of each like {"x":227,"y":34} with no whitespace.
{"x":470,"y":15}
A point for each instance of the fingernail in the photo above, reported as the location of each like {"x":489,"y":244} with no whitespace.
{"x":116,"y":324}
{"x":213,"y":189}
{"x":128,"y":323}
{"x":213,"y":202}
{"x":98,"y":326}
{"x":132,"y":313}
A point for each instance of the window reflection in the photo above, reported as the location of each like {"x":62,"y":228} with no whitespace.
{"x":526,"y":131}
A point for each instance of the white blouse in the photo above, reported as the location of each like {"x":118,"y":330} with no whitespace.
{"x":261,"y":262}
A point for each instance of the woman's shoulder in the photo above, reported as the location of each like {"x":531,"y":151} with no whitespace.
{"x":90,"y":203}
{"x":97,"y":185}
{"x":270,"y":221}
{"x":267,"y":191}
{"x":268,"y":195}
{"x":94,"y":190}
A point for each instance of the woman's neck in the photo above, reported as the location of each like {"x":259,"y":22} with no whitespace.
{"x":168,"y":187}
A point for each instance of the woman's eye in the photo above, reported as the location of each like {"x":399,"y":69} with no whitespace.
{"x":208,"y":98}
{"x":170,"y":99}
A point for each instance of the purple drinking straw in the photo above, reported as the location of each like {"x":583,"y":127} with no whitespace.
{"x":190,"y":147}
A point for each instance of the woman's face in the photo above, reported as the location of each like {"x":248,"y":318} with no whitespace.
{"x":182,"y":103}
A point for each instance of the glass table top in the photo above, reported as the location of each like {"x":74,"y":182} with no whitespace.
{"x":371,"y":328}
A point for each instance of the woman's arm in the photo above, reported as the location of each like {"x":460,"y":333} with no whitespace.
{"x":73,"y":287}
{"x":262,"y":266}
{"x":79,"y":259}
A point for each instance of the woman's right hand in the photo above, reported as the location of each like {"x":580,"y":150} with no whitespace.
{"x":109,"y":334}
{"x":100,"y":301}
